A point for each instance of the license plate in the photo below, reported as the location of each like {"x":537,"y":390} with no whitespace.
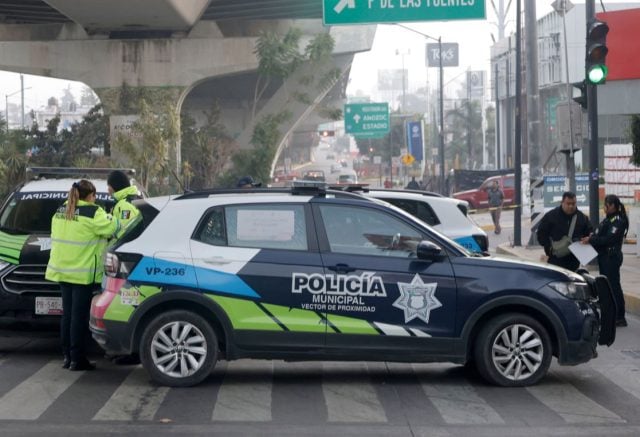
{"x":50,"y":306}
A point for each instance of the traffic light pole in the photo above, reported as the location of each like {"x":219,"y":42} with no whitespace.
{"x":592,"y":132}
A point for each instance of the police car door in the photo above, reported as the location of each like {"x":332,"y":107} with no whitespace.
{"x":375,"y":286}
{"x":246,"y":256}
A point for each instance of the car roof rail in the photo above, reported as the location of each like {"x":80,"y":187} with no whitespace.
{"x":52,"y":172}
{"x":403,"y":190}
{"x":300,"y":188}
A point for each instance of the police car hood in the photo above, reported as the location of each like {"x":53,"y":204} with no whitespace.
{"x":531,"y":270}
{"x":20,"y":248}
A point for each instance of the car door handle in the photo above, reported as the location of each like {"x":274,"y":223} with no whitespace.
{"x":216,"y":260}
{"x":341,"y":268}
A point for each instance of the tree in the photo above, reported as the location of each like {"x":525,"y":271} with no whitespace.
{"x":153,"y":149}
{"x":88,"y":97}
{"x":91,"y":133}
{"x":466,"y":130}
{"x":206,"y":150}
{"x":279,"y":58}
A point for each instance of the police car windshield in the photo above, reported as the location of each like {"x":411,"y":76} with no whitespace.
{"x":30,"y":213}
{"x":423,"y":224}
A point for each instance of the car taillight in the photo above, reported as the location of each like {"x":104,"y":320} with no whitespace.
{"x":119,"y":265}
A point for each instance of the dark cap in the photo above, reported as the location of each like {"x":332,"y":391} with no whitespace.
{"x":246,"y":182}
{"x":118,"y":180}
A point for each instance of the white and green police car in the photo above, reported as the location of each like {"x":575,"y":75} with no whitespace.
{"x":311,"y":274}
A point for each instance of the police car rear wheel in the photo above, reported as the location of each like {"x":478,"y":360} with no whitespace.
{"x":178,"y":349}
{"x":513,"y":350}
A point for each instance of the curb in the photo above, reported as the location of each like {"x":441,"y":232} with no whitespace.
{"x":631,"y":300}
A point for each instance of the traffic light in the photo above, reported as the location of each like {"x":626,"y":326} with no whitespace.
{"x":596,"y":69}
{"x":582,"y":98}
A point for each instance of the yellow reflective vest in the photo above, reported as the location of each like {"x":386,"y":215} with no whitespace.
{"x":124,"y":211}
{"x":78,"y":245}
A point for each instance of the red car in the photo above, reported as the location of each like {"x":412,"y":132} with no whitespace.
{"x":281,"y":176}
{"x":478,"y":197}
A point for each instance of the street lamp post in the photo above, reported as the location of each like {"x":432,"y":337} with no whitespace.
{"x":6,"y":106}
{"x":441,"y":103}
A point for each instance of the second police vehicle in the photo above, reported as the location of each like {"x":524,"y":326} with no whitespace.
{"x":306,"y":273}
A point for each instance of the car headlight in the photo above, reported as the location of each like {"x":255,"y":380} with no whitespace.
{"x":3,"y":264}
{"x":572,"y":290}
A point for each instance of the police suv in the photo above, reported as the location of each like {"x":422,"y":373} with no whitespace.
{"x":308,"y":273}
{"x":25,"y":240}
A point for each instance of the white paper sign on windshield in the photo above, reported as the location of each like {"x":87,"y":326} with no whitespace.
{"x":265,"y":225}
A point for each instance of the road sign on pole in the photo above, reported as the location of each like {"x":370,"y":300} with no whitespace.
{"x":337,"y":12}
{"x":366,"y":119}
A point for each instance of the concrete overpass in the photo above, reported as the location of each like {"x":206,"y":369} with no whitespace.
{"x":188,"y":52}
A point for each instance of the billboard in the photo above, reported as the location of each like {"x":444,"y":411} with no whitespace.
{"x":390,"y":79}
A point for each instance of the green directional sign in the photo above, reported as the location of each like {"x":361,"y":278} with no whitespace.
{"x":366,"y":119}
{"x":395,"y":11}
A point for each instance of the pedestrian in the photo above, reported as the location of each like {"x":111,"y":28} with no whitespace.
{"x":413,"y":184}
{"x":124,"y":193}
{"x":80,"y":230}
{"x":607,"y":241}
{"x":247,"y":182}
{"x":559,"y":228}
{"x":387,"y":183}
{"x":496,"y":199}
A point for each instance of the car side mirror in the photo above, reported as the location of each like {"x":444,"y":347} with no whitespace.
{"x":428,"y":250}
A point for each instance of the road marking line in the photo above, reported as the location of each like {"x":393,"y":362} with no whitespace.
{"x":350,"y":401}
{"x":571,"y":404}
{"x":245,"y":399}
{"x":135,"y":399}
{"x":459,"y":404}
{"x":34,"y":395}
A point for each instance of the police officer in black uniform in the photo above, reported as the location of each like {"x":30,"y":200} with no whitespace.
{"x":607,"y":241}
{"x":555,"y":225}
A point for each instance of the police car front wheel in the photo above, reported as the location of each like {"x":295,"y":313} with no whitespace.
{"x":178,"y":348}
{"x":513,"y":350}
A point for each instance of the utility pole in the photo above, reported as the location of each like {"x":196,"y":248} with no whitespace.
{"x":508,"y":117}
{"x":592,"y":133}
{"x":22,"y":100}
{"x":497,"y":115}
{"x":533,"y":93}
{"x":517,"y":212}
{"x":470,"y":158}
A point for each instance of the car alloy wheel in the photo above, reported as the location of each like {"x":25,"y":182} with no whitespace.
{"x":517,"y":352}
{"x":512,"y":350}
{"x":178,"y":349}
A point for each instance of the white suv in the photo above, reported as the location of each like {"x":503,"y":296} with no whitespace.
{"x":448,"y":216}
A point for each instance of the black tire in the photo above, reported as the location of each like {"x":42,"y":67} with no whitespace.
{"x":196,"y":355}
{"x":498,"y":359}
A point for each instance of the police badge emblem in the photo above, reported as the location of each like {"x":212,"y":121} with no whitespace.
{"x":417,"y":299}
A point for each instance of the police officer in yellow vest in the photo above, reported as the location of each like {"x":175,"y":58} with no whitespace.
{"x":80,"y":230}
{"x":121,"y":189}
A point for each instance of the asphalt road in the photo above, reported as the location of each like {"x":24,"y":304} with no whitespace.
{"x":255,"y":397}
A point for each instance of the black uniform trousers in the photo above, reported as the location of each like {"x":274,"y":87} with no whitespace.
{"x":74,"y":326}
{"x":609,"y":264}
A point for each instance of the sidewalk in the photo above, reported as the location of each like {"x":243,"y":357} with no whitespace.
{"x":629,"y":272}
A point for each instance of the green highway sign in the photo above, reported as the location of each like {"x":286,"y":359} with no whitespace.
{"x":337,"y":12}
{"x":366,"y":119}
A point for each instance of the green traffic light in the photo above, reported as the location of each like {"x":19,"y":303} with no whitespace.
{"x":597,"y":74}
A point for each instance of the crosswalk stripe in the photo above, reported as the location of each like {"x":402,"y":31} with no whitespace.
{"x":239,"y":400}
{"x":571,"y":404}
{"x":351,"y":401}
{"x":459,"y":404}
{"x":135,"y":399}
{"x":623,"y":375}
{"x":34,"y":395}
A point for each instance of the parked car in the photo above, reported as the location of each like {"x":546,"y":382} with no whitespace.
{"x":280,"y":175}
{"x":348,"y":178}
{"x":336,"y":168}
{"x":315,"y":274}
{"x":25,"y":241}
{"x":478,"y":198}
{"x":444,"y":214}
